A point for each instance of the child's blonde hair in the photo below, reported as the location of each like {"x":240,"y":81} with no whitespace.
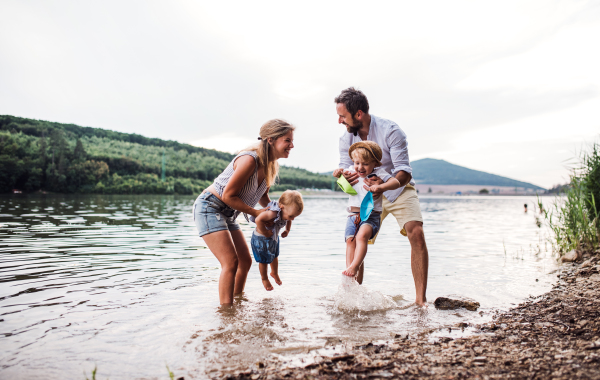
{"x":368,"y":151}
{"x":292,"y":197}
{"x":271,"y":129}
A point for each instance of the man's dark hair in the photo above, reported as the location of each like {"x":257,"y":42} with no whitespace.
{"x":354,"y":100}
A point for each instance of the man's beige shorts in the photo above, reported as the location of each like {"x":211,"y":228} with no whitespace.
{"x":405,"y":209}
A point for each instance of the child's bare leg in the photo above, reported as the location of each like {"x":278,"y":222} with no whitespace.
{"x":350,"y":247}
{"x":361,"y":273}
{"x":274,"y":273}
{"x":263,"y":275}
{"x":362,"y":237}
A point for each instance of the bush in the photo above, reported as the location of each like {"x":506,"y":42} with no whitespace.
{"x":574,"y":218}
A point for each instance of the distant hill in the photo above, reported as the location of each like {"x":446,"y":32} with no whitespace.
{"x":66,"y":158}
{"x":439,"y":172}
{"x":429,"y":171}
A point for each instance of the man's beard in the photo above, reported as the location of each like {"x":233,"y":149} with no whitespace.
{"x":355,"y":127}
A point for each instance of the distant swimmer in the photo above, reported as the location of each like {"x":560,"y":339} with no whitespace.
{"x":525,"y":205}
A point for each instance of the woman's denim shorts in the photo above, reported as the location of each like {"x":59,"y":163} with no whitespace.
{"x":374,"y":221}
{"x":212,"y":215}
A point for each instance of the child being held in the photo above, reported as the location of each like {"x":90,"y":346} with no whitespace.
{"x":367,"y":161}
{"x":265,"y":238}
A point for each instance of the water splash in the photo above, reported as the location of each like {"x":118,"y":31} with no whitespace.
{"x":354,"y":297}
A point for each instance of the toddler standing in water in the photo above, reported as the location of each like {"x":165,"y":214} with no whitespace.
{"x":265,"y":238}
{"x":367,"y":161}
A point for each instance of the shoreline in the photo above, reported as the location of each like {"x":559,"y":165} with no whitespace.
{"x":555,"y":335}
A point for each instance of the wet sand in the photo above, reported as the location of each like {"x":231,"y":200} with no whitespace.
{"x":555,"y":335}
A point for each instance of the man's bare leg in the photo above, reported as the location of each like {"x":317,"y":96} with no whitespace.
{"x":419,"y":259}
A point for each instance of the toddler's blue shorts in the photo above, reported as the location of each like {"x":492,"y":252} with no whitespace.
{"x":264,"y":249}
{"x":374,"y":221}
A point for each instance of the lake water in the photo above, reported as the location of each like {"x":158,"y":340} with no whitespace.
{"x":124,"y":283}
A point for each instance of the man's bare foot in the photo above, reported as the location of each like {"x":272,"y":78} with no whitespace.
{"x":350,"y":272}
{"x":267,"y":285}
{"x":276,"y":277}
{"x":421,"y":303}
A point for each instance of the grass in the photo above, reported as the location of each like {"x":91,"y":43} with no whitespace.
{"x":95,"y":370}
{"x":573,"y":217}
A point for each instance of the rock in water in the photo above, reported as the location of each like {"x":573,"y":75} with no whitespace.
{"x":571,"y":256}
{"x":444,"y":303}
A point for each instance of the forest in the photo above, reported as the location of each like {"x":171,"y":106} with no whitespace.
{"x":38,"y":155}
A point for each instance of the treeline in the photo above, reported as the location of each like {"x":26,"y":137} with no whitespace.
{"x":66,"y":158}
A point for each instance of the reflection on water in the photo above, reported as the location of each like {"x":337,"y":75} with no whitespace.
{"x":124,"y":283}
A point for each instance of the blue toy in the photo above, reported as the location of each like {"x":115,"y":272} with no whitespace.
{"x":366,"y":206}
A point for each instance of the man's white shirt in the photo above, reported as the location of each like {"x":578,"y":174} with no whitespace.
{"x":394,"y":147}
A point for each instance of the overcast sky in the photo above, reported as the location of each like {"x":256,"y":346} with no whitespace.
{"x":508,"y":87}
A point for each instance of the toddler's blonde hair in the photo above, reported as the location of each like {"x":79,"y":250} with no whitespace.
{"x":368,"y":151}
{"x":292,"y":197}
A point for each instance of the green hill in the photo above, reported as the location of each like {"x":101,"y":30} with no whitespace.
{"x":439,"y":172}
{"x":66,"y":158}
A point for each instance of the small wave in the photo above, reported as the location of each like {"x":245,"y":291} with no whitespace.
{"x":354,"y":297}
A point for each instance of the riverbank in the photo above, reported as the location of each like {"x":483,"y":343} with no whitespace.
{"x":556,"y":335}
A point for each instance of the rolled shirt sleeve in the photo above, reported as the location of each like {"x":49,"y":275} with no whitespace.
{"x":383,"y":174}
{"x":345,"y":159}
{"x":399,"y":151}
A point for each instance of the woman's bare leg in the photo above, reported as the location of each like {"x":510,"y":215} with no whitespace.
{"x":222,"y":246}
{"x":244,"y":260}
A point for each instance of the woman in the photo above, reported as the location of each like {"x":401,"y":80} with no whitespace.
{"x":245,"y":182}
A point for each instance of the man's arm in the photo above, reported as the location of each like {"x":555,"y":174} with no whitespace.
{"x":399,"y":154}
{"x":346,"y":161}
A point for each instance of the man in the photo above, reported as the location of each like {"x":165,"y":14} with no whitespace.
{"x":352,"y":108}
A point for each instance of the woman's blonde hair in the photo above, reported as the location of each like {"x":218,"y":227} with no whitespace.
{"x":292,"y":197}
{"x":272,"y":129}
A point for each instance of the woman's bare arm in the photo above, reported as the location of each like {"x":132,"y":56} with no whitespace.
{"x":243,"y":168}
{"x":265,"y":199}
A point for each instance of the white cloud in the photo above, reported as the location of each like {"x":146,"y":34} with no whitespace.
{"x":225,"y":142}
{"x":458,"y":77}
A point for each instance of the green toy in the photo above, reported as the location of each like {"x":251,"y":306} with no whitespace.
{"x":346,"y":186}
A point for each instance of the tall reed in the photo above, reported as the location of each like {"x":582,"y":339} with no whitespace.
{"x":574,"y":217}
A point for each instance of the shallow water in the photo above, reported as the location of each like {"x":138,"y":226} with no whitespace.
{"x":124,"y":283}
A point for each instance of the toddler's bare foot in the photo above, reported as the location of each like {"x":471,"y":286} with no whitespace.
{"x":276,"y":277}
{"x":267,"y":285}
{"x":350,"y":272}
